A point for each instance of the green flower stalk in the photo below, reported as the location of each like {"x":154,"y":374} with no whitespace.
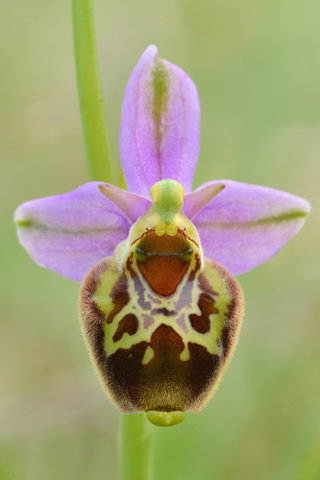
{"x":89,"y":93}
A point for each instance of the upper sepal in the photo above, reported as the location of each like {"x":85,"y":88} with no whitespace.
{"x":159,"y":134}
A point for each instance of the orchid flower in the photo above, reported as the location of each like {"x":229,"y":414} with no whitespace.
{"x":159,"y":305}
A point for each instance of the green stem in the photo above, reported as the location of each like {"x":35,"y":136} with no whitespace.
{"x":136,"y":447}
{"x":89,"y":93}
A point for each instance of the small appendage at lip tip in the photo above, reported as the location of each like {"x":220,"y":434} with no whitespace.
{"x":167,"y":198}
{"x":165,"y":419}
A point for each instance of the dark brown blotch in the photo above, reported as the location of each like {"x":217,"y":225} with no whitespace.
{"x":201,"y":323}
{"x":206,"y":304}
{"x":163,"y":273}
{"x":197,"y":266}
{"x":164,"y":311}
{"x":128,"y":324}
{"x":165,"y":383}
{"x":129,"y":265}
{"x":120,"y":296}
{"x":204,"y":369}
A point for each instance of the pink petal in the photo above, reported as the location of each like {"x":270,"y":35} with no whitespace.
{"x":130,"y":204}
{"x":69,"y":233}
{"x":194,"y":202}
{"x":245,"y":225}
{"x":159,"y":135}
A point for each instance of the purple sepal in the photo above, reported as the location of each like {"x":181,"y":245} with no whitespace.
{"x":69,"y":233}
{"x":159,"y":134}
{"x":245,"y":225}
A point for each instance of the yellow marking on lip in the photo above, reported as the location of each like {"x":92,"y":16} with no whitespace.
{"x":161,"y":228}
{"x":148,"y":356}
{"x":185,"y":354}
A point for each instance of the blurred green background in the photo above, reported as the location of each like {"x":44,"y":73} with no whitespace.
{"x":257,"y":68}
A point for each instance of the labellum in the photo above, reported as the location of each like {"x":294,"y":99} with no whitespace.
{"x":160,"y":320}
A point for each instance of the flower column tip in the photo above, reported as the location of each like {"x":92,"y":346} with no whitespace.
{"x":167,"y":198}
